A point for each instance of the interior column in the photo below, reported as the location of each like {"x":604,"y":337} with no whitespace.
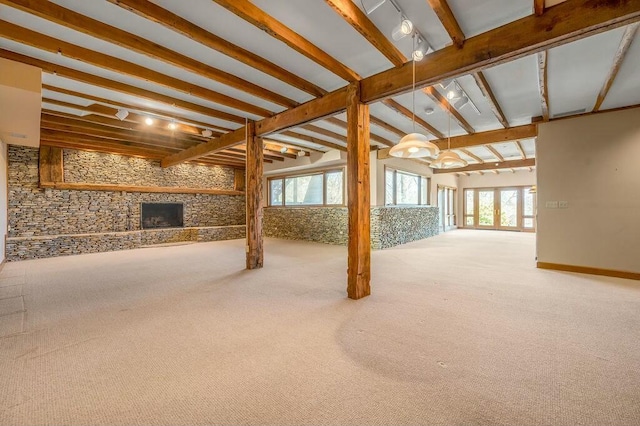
{"x":253,"y":184}
{"x":358,"y":194}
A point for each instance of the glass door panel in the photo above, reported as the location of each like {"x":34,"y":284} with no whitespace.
{"x":509,"y":208}
{"x":486,"y":208}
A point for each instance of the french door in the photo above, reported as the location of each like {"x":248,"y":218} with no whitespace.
{"x":447,"y":204}
{"x":510,"y":208}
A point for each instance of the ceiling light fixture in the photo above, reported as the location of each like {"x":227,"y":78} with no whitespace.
{"x":429,"y":111}
{"x":301,"y":153}
{"x":122,"y":114}
{"x":457,"y":95}
{"x":284,"y":150}
{"x":172,"y":125}
{"x":421,"y":50}
{"x":370,"y":6}
{"x":207,"y":133}
{"x":148,"y":121}
{"x":403,"y":29}
{"x":414,"y":145}
{"x":461,"y":102}
{"x":448,"y":159}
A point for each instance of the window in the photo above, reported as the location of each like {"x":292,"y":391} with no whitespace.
{"x":403,"y":188}
{"x":447,"y":204}
{"x":316,"y":189}
{"x":500,"y":208}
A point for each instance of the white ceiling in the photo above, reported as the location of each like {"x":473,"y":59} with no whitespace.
{"x":576,"y":71}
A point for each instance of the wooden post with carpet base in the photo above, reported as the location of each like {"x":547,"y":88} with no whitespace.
{"x":253,"y":183}
{"x":358,"y":191}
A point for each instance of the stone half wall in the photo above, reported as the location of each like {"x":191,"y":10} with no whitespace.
{"x":390,"y":226}
{"x":52,"y":222}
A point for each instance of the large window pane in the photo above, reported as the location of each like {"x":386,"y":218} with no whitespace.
{"x":528,"y":202}
{"x":485,"y":208}
{"x":424,"y":190}
{"x":509,"y":207}
{"x":469,"y":200}
{"x":527,"y":222}
{"x":388,"y":186}
{"x":275,"y":192}
{"x":303,"y":190}
{"x":407,"y":188}
{"x":335,"y":187}
{"x":469,"y":221}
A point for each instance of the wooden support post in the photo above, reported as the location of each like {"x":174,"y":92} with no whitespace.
{"x":253,"y":185}
{"x":358,"y":191}
{"x":51,"y":169}
{"x":238,"y":180}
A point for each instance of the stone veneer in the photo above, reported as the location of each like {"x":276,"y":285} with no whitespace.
{"x":390,"y":225}
{"x":51,"y":222}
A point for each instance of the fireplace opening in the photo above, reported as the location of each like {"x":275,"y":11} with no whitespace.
{"x":162,"y":215}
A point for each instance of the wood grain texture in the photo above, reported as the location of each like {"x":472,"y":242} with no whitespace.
{"x":101,"y":60}
{"x":543,"y":85}
{"x":239,"y":180}
{"x":182,"y":26}
{"x":564,"y":23}
{"x":486,"y":90}
{"x":589,"y":270}
{"x":50,"y":165}
{"x":252,"y":14}
{"x":490,"y":166}
{"x":225,"y":141}
{"x":79,"y":186}
{"x":492,"y":136}
{"x":444,"y":103}
{"x":118,"y":86}
{"x":448,"y":20}
{"x":358,"y":190}
{"x":361,"y":23}
{"x":68,"y":18}
{"x":538,"y":7}
{"x":627,"y":39}
{"x":254,"y":175}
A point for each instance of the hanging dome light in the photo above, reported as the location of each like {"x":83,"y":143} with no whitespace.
{"x":448,"y":160}
{"x":414,"y":145}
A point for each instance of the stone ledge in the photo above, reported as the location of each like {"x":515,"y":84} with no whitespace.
{"x":43,"y":246}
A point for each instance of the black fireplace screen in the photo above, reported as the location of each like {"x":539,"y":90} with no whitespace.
{"x":162,"y":215}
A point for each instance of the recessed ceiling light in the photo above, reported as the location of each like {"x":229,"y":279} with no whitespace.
{"x":172,"y":125}
{"x":207,"y":133}
{"x":148,"y":121}
{"x":429,"y":111}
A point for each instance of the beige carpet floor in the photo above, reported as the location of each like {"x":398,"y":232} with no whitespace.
{"x":461,"y":329}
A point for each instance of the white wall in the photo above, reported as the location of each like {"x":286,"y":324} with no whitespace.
{"x":492,"y":180}
{"x":592,"y":163}
{"x":3,"y":198}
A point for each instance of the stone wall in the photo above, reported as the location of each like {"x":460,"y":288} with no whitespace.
{"x":390,"y":226}
{"x":319,"y":224}
{"x":98,"y":167}
{"x":395,"y":225}
{"x":68,"y":215}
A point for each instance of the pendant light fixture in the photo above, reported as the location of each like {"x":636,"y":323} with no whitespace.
{"x":448,"y":159}
{"x":414,"y":145}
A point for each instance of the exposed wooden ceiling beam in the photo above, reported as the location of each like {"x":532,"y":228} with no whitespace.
{"x":446,"y":16}
{"x":225,"y":141}
{"x":50,"y":44}
{"x":361,"y":23}
{"x":492,"y":136}
{"x":443,"y":103}
{"x":538,"y":7}
{"x":324,"y":132}
{"x":493,"y":166}
{"x":566,"y":22}
{"x":188,"y":128}
{"x":485,"y":88}
{"x":313,"y":139}
{"x":495,"y":152}
{"x":133,"y":121}
{"x":472,"y":155}
{"x":520,"y":150}
{"x":561,"y":24}
{"x":68,"y":18}
{"x":372,"y":137}
{"x":408,"y":114}
{"x":627,"y":39}
{"x":542,"y":84}
{"x":289,"y":144}
{"x":119,"y":87}
{"x":252,"y":14}
{"x":388,"y":127}
{"x":182,"y":26}
{"x":98,"y":142}
{"x":81,"y":125}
